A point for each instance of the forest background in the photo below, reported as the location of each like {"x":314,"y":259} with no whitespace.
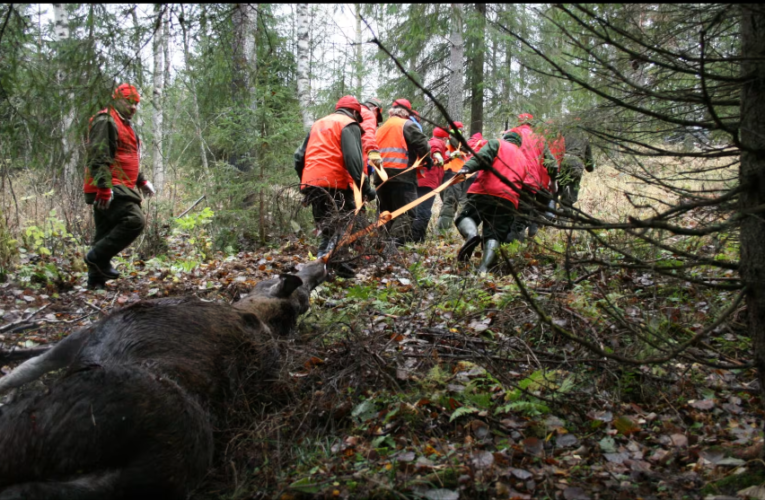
{"x":653,"y":287}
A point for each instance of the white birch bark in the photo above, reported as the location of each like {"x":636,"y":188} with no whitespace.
{"x":157,"y":158}
{"x":250,"y":50}
{"x":456,"y":63}
{"x":359,"y":54}
{"x":303,"y":58}
{"x":70,"y":151}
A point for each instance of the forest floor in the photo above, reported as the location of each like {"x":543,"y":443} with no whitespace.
{"x":418,"y":379}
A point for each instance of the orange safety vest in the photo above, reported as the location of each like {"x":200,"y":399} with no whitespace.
{"x":390,"y":139}
{"x":324,"y":163}
{"x":126,"y":159}
{"x":456,"y":164}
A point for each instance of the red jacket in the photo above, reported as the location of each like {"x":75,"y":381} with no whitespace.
{"x":368,"y":132}
{"x":511,"y":163}
{"x":558,"y":148}
{"x":533,"y":147}
{"x":125,"y":168}
{"x":435,"y":176}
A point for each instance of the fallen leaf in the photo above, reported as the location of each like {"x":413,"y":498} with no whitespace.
{"x":704,"y":404}
{"x":566,"y":441}
{"x":482,"y":460}
{"x":441,"y":494}
{"x":679,"y":440}
{"x":753,"y":493}
{"x":575,"y":493}
{"x":533,"y":446}
{"x":608,"y":445}
{"x":626,"y":426}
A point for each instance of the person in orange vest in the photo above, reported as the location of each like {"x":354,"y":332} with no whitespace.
{"x":454,"y":195}
{"x":491,"y":202}
{"x":427,"y":181}
{"x":539,"y":183}
{"x":113,"y":179}
{"x":401,"y":144}
{"x":371,"y":114}
{"x":329,"y":162}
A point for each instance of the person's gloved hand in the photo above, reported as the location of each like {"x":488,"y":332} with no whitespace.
{"x":438,"y":159}
{"x":370,"y":193}
{"x":104,"y":197}
{"x":464,"y":171}
{"x":147,"y":188}
{"x":375,"y":158}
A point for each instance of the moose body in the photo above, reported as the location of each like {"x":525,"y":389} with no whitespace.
{"x":132,"y":415}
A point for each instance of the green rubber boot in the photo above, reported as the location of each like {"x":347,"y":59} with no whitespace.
{"x":490,"y":248}
{"x":469,"y":230}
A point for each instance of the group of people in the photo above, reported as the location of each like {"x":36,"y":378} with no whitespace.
{"x":518,"y":175}
{"x":516,"y":178}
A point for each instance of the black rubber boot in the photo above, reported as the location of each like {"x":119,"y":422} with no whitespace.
{"x":469,"y":230}
{"x":103,"y":267}
{"x":96,"y":282}
{"x":490,"y":248}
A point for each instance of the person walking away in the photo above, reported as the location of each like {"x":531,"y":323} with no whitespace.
{"x":328,"y":162}
{"x":452,"y":196}
{"x":541,"y":171}
{"x":427,"y":181}
{"x":113,"y":179}
{"x":577,"y":159}
{"x":401,"y":143}
{"x":371,"y":115}
{"x":490,"y":202}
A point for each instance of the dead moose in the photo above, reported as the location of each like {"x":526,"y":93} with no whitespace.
{"x":132,"y":416}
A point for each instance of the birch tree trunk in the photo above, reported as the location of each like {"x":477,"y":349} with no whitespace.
{"x":251,"y":52}
{"x":456,"y":85}
{"x":158,"y":81}
{"x":359,"y":54}
{"x":303,"y":58}
{"x":70,"y":152}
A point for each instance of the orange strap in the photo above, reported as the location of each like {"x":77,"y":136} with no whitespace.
{"x":386,"y":216}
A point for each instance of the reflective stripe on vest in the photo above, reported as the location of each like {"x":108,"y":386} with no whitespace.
{"x":324,"y":163}
{"x":126,"y":167}
{"x":510,"y":162}
{"x":390,"y":138}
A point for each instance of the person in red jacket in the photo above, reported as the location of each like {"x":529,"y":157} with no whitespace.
{"x":427,"y":181}
{"x":539,"y":182}
{"x":371,"y":114}
{"x":490,"y":201}
{"x":329,"y":162}
{"x":453,"y":196}
{"x":112,"y":183}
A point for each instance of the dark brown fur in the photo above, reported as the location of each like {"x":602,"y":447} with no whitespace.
{"x":153,"y":363}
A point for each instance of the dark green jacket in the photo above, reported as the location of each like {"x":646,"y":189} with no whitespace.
{"x":350,"y":143}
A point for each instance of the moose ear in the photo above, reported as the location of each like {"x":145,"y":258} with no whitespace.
{"x":287,"y":284}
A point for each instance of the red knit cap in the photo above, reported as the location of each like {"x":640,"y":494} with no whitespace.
{"x":402,"y":103}
{"x":525,"y":117}
{"x":439,"y":132}
{"x":128,"y":92}
{"x":348,"y":101}
{"x":458,"y":124}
